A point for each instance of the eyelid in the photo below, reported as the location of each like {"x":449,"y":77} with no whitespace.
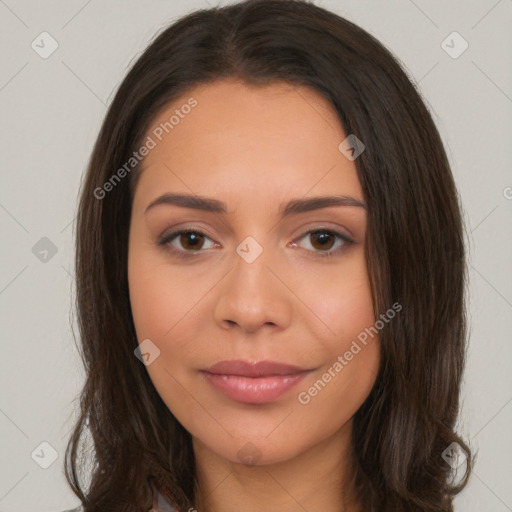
{"x":167,"y":237}
{"x":347,"y":241}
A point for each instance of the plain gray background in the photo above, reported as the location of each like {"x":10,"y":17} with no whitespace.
{"x":51,"y":110}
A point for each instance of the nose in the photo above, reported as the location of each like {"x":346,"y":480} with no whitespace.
{"x":254,"y":295}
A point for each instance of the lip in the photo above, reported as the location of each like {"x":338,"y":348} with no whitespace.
{"x":254,"y":369}
{"x":254,"y":382}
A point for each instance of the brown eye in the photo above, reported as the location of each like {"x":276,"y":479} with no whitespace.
{"x":185,"y":241}
{"x":325,"y":242}
{"x":191,"y":240}
{"x":322,"y":240}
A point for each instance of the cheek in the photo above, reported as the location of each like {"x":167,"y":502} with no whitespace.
{"x":161,"y":312}
{"x":149,"y":302}
{"x":160,"y":296}
{"x":167,"y":310}
{"x":343,"y":304}
{"x":351,"y":350}
{"x":340,"y":299}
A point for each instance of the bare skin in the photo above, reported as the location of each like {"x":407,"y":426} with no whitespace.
{"x":256,"y":149}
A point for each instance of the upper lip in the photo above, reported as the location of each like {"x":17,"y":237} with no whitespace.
{"x":254,"y":369}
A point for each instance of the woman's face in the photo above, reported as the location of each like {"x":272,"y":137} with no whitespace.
{"x":261,"y":273}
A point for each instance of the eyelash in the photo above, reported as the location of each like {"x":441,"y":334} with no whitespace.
{"x":165,"y":240}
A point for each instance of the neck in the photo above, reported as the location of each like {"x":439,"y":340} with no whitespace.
{"x":317,"y":479}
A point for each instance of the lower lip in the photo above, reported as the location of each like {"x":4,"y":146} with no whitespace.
{"x":254,"y":390}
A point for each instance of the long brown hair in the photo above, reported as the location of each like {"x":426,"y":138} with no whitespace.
{"x":414,"y":248}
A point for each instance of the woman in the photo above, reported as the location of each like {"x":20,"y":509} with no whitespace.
{"x":270,"y":277}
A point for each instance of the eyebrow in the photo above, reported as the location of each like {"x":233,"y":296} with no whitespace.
{"x":293,"y":207}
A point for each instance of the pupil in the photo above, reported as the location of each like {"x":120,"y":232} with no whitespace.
{"x":322,"y":238}
{"x":191,"y":239}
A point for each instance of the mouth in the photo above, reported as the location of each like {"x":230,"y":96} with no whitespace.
{"x":253,"y":382}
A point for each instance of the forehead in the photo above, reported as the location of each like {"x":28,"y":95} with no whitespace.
{"x":273,"y":139}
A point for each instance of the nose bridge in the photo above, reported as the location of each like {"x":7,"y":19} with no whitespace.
{"x":251,"y":295}
{"x":251,"y":274}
